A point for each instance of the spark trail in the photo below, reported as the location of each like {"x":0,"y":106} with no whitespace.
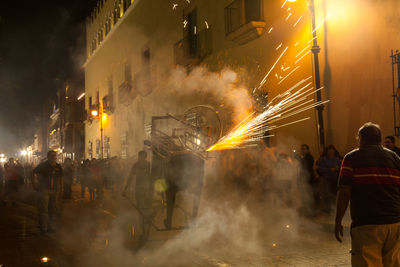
{"x":283,"y":106}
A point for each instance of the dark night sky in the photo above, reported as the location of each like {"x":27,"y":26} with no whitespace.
{"x":41,"y":45}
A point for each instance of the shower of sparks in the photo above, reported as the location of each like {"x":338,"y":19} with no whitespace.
{"x":284,"y":3}
{"x":309,"y":51}
{"x":174,"y":6}
{"x":282,"y":106}
{"x":185,"y":22}
{"x":273,"y":66}
{"x":319,"y":25}
{"x":312,"y":40}
{"x":301,"y":52}
{"x":279,"y":46}
{"x":207,"y":26}
{"x":288,"y":74}
{"x":270,"y":30}
{"x":288,"y":9}
{"x":290,"y":14}
{"x":294,"y":25}
{"x":297,"y":43}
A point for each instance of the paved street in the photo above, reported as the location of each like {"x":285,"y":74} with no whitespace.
{"x":96,"y":234}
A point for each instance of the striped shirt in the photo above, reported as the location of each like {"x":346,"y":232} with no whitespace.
{"x":373,"y":172}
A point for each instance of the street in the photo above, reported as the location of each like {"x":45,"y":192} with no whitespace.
{"x":88,"y":235}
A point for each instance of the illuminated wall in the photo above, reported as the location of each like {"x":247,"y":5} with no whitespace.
{"x":355,"y":38}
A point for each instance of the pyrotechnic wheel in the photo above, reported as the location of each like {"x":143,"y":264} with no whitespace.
{"x":206,"y":126}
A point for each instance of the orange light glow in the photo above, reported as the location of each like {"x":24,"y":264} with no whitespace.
{"x":95,"y":113}
{"x":44,"y":260}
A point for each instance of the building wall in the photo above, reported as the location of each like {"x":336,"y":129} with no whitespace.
{"x":355,"y":65}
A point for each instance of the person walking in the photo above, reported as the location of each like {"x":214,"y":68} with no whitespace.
{"x":13,"y":178}
{"x":390,"y":144}
{"x":369,"y":179}
{"x":47,"y":180}
{"x":85,"y":174}
{"x":68,"y":178}
{"x":143,"y":190}
{"x":328,"y":169}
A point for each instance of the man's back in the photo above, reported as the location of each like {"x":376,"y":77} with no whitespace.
{"x":373,"y":172}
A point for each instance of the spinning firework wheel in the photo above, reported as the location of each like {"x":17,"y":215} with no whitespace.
{"x":205,"y":127}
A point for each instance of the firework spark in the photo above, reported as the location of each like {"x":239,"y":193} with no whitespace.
{"x":319,"y":25}
{"x":308,"y":52}
{"x":269,"y":72}
{"x":283,"y":106}
{"x":270,"y":30}
{"x":297,"y":22}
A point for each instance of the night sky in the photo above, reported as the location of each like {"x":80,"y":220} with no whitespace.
{"x":41,"y":45}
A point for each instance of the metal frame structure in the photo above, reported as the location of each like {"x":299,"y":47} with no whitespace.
{"x":396,"y":91}
{"x":191,"y":133}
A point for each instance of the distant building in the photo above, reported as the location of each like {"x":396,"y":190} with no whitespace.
{"x":132,"y":46}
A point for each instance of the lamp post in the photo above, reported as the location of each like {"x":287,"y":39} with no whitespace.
{"x":98,"y":114}
{"x":315,"y":50}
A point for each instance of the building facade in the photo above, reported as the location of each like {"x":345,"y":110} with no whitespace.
{"x":135,"y":46}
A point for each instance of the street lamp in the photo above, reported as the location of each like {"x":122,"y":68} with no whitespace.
{"x":97,"y":113}
{"x":94,"y":113}
{"x":315,"y":50}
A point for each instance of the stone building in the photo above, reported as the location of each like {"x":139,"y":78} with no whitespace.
{"x":134,"y":46}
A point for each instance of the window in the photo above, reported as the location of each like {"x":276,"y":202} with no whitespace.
{"x":108,"y":25}
{"x":127,"y":3}
{"x":116,"y":14}
{"x":94,"y":45}
{"x":108,"y":100}
{"x":90,"y":150}
{"x":98,"y":148}
{"x":100,"y":36}
{"x":241,"y":12}
{"x":191,"y":31}
{"x":106,"y":147}
{"x":124,"y":145}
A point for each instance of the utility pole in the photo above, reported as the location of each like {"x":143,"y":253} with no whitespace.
{"x":315,"y":50}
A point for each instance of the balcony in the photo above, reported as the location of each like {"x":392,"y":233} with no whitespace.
{"x":244,"y":21}
{"x":108,"y":104}
{"x":192,"y":49}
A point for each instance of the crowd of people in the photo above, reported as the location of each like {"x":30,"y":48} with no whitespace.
{"x":53,"y":181}
{"x":293,"y":180}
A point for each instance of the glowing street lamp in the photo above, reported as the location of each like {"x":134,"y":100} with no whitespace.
{"x":97,"y":113}
{"x":94,"y":113}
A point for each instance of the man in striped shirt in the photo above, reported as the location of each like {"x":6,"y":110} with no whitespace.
{"x":370,"y":180}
